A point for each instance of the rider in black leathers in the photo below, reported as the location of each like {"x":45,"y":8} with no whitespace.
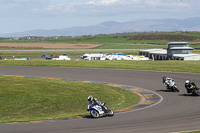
{"x":94,"y":101}
{"x":190,"y":86}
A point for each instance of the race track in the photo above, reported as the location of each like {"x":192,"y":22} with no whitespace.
{"x":177,"y":111}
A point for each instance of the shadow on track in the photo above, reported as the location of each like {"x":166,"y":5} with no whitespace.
{"x":164,"y":91}
{"x":188,"y":95}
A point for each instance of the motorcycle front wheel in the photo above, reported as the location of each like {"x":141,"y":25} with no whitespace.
{"x":176,"y":89}
{"x":94,"y":113}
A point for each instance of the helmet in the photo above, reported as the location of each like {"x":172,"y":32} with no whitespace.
{"x":164,"y":78}
{"x":187,"y":82}
{"x":90,"y":98}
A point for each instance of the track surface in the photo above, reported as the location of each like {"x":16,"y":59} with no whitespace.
{"x":177,"y":111}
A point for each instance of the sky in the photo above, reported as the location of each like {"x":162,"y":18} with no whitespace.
{"x":23,"y":15}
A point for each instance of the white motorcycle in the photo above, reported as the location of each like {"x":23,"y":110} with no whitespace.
{"x":97,"y":111}
{"x":171,"y":85}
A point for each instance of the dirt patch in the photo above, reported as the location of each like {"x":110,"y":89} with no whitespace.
{"x":48,"y":45}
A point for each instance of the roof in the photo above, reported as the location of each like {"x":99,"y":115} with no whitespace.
{"x":150,"y":50}
{"x":155,"y":51}
{"x":189,"y":48}
{"x":178,"y":43}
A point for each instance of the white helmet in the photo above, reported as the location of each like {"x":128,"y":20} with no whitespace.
{"x":90,"y":98}
{"x":187,"y":82}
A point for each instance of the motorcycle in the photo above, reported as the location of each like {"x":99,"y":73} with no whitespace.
{"x":97,"y":111}
{"x":172,"y":86}
{"x":195,"y":92}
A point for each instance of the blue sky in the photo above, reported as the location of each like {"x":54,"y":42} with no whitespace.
{"x":23,"y":15}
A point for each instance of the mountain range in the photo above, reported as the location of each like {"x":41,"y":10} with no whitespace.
{"x":109,"y":27}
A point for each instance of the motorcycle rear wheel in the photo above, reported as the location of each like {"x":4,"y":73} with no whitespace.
{"x":196,"y":93}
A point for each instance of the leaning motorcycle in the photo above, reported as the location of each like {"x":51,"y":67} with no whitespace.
{"x":195,"y":91}
{"x":97,"y":111}
{"x":171,"y":86}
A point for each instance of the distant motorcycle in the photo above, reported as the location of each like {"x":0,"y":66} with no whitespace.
{"x":173,"y":87}
{"x":195,"y":91}
{"x":96,"y":111}
{"x":170,"y":85}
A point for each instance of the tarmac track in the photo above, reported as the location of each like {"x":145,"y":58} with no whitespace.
{"x":177,"y":111}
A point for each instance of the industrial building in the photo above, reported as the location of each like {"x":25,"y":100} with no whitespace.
{"x":175,"y":51}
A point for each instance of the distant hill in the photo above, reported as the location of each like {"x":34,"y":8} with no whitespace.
{"x":145,"y":25}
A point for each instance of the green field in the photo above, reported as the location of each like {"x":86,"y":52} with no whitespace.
{"x":130,"y":46}
{"x":31,"y":99}
{"x":145,"y":40}
{"x":174,"y":66}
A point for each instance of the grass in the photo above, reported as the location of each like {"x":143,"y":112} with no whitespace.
{"x":192,"y":132}
{"x":30,"y":99}
{"x":110,"y":39}
{"x":174,"y":66}
{"x":71,"y":54}
{"x":130,"y":46}
{"x":122,"y":41}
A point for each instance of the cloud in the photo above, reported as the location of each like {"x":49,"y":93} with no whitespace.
{"x":29,"y":14}
{"x":99,"y":7}
{"x":102,"y":2}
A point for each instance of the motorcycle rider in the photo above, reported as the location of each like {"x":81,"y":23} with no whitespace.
{"x":94,"y":101}
{"x":190,"y":86}
{"x":167,"y":81}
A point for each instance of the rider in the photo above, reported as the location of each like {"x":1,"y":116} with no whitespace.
{"x":94,"y":101}
{"x":167,"y":81}
{"x":190,"y":86}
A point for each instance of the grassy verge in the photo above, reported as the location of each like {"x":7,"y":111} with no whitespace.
{"x":192,"y":132}
{"x":28,"y":99}
{"x":174,"y":66}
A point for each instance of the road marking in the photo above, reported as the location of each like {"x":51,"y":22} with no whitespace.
{"x":51,"y":78}
{"x":148,"y":102}
{"x":14,"y":123}
{"x":13,"y":76}
{"x":150,"y":96}
{"x":86,"y":81}
{"x":139,"y":90}
{"x":115,"y":85}
{"x":125,"y":109}
{"x":35,"y":121}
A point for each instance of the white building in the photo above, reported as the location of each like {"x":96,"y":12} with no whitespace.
{"x":157,"y":54}
{"x":175,"y":51}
